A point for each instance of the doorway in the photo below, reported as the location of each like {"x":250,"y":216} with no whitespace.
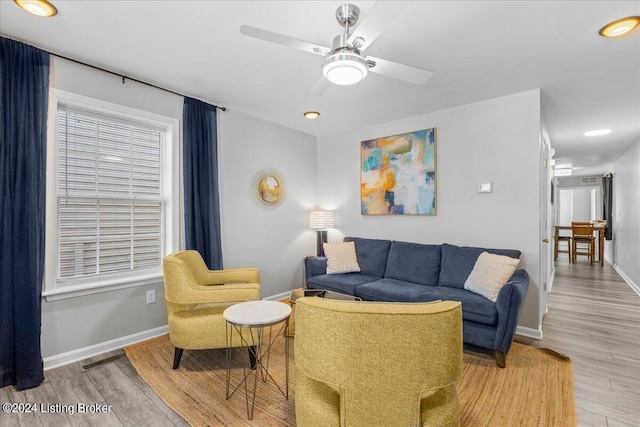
{"x":579,"y":204}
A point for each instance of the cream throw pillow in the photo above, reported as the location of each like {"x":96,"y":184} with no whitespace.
{"x":490,"y":274}
{"x":341,"y":257}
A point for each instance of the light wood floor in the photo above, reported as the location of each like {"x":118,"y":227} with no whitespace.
{"x":117,"y":383}
{"x":594,"y":317}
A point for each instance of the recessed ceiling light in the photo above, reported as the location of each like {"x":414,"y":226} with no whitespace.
{"x":620,"y":27}
{"x":597,"y":132}
{"x":37,"y":7}
{"x":312,"y":115}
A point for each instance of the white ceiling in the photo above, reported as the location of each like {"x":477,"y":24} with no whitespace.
{"x":477,"y":50}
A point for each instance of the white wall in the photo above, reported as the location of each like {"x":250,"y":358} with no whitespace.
{"x":626,"y":214}
{"x":493,"y":140}
{"x":581,"y":204}
{"x":565,"y":206}
{"x":582,"y":197}
{"x":496,"y":140}
{"x":274,"y":241}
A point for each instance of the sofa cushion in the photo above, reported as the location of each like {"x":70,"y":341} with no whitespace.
{"x":372,"y":255}
{"x":475,"y":308}
{"x":390,"y":290}
{"x":457,"y":263}
{"x":414,"y":262}
{"x":490,"y":273}
{"x":341,"y":258}
{"x":343,"y":283}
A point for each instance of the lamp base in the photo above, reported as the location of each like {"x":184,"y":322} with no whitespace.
{"x":322,"y":238}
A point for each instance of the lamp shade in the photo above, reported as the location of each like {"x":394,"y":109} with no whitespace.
{"x":321,"y":220}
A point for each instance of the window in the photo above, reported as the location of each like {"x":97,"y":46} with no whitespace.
{"x":112,"y":214}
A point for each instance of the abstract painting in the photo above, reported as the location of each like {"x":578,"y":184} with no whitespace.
{"x":398,"y":174}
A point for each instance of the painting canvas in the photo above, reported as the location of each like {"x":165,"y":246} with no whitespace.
{"x":398,"y":174}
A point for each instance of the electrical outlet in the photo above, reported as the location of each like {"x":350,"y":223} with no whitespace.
{"x":627,"y":256}
{"x":151,"y":296}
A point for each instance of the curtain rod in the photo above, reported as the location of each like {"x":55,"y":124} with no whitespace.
{"x":110,"y":72}
{"x":125,"y":77}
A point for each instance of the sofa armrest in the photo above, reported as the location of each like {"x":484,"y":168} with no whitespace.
{"x":520,"y":282}
{"x":508,"y":304}
{"x":314,"y":266}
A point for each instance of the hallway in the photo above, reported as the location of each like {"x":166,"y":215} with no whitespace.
{"x":594,"y":318}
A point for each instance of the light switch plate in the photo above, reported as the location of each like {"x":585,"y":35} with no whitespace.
{"x":484,"y":187}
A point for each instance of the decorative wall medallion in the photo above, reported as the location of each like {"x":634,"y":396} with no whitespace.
{"x":268,"y":188}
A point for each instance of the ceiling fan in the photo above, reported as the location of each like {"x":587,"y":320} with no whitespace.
{"x":345,"y":62}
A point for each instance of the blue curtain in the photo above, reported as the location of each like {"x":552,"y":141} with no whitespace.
{"x":200,"y":170}
{"x":24,"y":86}
{"x":607,"y":197}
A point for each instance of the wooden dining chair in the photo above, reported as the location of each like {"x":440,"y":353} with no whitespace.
{"x":559,"y":250}
{"x":582,"y":234}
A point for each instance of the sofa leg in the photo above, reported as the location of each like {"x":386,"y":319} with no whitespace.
{"x":177,"y":355}
{"x":501,"y":359}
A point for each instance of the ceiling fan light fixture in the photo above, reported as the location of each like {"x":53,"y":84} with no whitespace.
{"x":620,"y":27}
{"x":345,"y":68}
{"x":37,"y":7}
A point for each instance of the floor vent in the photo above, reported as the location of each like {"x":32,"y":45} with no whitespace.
{"x":103,"y":361}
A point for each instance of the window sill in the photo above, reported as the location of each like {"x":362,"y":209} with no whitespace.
{"x":73,"y":291}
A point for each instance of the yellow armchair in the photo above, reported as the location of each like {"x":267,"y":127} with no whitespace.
{"x":196,"y":297}
{"x":377,"y":364}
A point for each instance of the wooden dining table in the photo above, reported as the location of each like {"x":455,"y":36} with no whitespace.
{"x":600,"y":229}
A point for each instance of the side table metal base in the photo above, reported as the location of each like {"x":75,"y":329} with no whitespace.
{"x":260,"y":343}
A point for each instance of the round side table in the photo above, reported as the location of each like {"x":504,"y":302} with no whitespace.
{"x":257,"y":318}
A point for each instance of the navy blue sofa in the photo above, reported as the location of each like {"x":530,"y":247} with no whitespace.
{"x":412,"y":272}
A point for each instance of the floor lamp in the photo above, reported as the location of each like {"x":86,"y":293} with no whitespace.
{"x":321,"y":221}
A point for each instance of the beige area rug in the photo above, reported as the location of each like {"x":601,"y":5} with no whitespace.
{"x":535,"y":389}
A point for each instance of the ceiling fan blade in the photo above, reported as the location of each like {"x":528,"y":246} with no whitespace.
{"x":283,"y":40}
{"x":396,"y":70}
{"x":318,"y":87}
{"x":381,"y":14}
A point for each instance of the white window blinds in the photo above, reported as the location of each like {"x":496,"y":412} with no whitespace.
{"x":110,"y":202}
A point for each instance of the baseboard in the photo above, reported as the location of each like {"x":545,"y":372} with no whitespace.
{"x":97,"y":349}
{"x":529,"y":332}
{"x":58,"y":360}
{"x":626,"y":278}
{"x":279,"y":296}
{"x":551,"y":279}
